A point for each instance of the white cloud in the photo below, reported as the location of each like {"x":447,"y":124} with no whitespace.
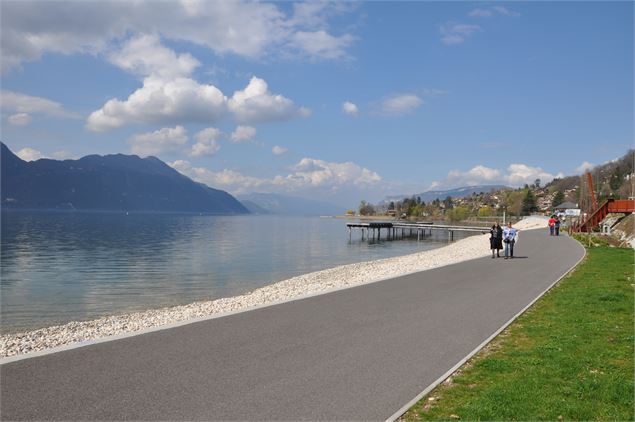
{"x":515,"y":175}
{"x":230,"y":180}
{"x":584,"y":167}
{"x":321,"y":44}
{"x":519,"y":174}
{"x":312,"y":172}
{"x":206,"y":142}
{"x":481,"y":13}
{"x":144,"y":55}
{"x":165,"y":140}
{"x":350,"y":108}
{"x":400,"y":104}
{"x":505,"y":11}
{"x":243,"y":134}
{"x":159,"y":102}
{"x":245,"y":28}
{"x":457,"y":33}
{"x":256,"y":104}
{"x":496,"y":10}
{"x":278,"y":150}
{"x":307,"y":175}
{"x":169,"y":96}
{"x":21,"y":103}
{"x":19,"y":119}
{"x":29,"y":154}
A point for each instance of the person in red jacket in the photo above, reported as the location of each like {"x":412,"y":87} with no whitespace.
{"x":552,"y":225}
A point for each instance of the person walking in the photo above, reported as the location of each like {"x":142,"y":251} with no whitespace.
{"x":552,"y":225}
{"x":556,"y":227}
{"x":509,"y":238}
{"x":496,"y":240}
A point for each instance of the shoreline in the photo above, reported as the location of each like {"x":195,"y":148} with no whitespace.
{"x":318,"y":282}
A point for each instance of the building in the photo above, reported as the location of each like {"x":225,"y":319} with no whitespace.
{"x":568,"y":209}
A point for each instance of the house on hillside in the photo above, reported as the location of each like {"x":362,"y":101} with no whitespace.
{"x":567,"y":209}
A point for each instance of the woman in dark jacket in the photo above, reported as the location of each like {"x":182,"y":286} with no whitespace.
{"x":496,"y":240}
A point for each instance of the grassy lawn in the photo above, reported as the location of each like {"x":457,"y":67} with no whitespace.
{"x":569,"y":357}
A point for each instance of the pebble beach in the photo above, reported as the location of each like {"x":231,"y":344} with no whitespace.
{"x":308,"y":284}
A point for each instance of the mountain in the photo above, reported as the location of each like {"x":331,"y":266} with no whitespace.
{"x":253,"y":207}
{"x":107,"y":183}
{"x":288,"y":205}
{"x":462,"y":192}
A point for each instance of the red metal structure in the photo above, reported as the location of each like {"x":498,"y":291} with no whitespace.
{"x":609,"y":206}
{"x":589,"y":179}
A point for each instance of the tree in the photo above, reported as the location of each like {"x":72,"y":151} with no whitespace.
{"x":459,"y":213}
{"x":529,"y":203}
{"x":486,"y":211}
{"x":366,"y":209}
{"x":447,"y":202}
{"x":537,"y":183}
{"x":616,"y":179}
{"x":557,"y":199}
{"x":391,"y":206}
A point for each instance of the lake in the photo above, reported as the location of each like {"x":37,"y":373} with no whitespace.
{"x":62,"y":267}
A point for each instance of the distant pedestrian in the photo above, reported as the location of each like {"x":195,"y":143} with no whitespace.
{"x":552,"y":225}
{"x":556,"y":227}
{"x":496,"y":240}
{"x":510,"y":235}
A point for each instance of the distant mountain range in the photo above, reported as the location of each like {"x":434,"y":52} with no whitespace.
{"x":273,"y":203}
{"x":107,"y":183}
{"x":462,"y":192}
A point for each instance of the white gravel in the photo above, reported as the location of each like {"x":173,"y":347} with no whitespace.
{"x":320,"y":281}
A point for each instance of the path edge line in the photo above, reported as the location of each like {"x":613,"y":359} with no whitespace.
{"x":478,"y":348}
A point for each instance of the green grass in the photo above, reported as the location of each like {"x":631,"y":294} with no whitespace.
{"x":569,"y":357}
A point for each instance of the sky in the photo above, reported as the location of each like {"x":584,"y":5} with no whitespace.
{"x":337,"y":101}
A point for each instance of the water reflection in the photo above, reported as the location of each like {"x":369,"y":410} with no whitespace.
{"x":59,"y":267}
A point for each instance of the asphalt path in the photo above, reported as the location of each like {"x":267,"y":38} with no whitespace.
{"x":355,"y":354}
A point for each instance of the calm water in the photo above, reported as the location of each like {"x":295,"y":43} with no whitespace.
{"x":60,"y":267}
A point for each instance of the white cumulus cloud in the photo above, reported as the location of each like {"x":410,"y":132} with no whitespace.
{"x":170,"y":96}
{"x":159,"y":101}
{"x":321,"y":44}
{"x":144,"y":55}
{"x":307,"y":175}
{"x":456,"y":32}
{"x":481,"y":13}
{"x":350,"y":108}
{"x":29,"y":154}
{"x":400,"y":104}
{"x":584,"y":167}
{"x":165,"y":140}
{"x":256,"y":104}
{"x":515,"y":175}
{"x":245,"y":28}
{"x":243,"y":134}
{"x":22,"y":103}
{"x":206,"y":142}
{"x":278,"y":150}
{"x":19,"y":119}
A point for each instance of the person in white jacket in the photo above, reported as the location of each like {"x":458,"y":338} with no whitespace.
{"x":510,"y":235}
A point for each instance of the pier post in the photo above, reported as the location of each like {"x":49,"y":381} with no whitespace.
{"x":350,"y":234}
{"x":418,"y":235}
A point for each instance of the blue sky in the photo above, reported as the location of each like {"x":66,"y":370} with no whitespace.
{"x":336,"y":101}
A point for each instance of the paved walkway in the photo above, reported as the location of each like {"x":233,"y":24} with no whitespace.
{"x":355,"y":354}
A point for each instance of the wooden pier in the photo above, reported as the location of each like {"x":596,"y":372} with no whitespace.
{"x":372,"y":230}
